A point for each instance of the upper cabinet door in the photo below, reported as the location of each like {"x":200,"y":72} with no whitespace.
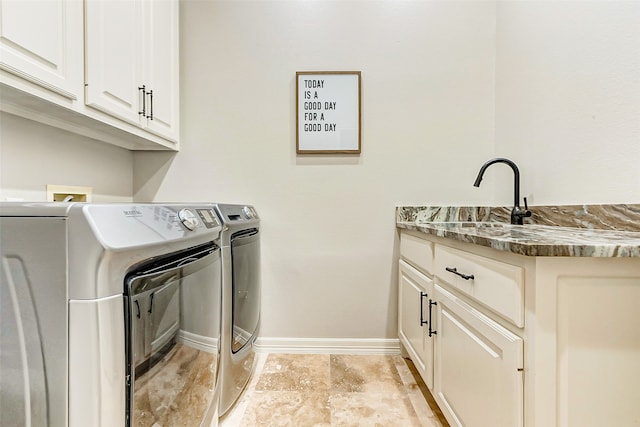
{"x":41,"y":42}
{"x":113,"y":57}
{"x":162,"y":71}
{"x":132,"y":62}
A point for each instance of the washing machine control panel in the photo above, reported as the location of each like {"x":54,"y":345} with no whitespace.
{"x":120,"y":225}
{"x":208,"y":217}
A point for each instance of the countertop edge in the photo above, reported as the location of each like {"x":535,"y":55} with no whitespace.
{"x":535,"y":249}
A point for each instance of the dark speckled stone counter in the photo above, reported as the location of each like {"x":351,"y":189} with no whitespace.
{"x":578,"y":231}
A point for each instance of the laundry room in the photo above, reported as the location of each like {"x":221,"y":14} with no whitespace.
{"x":444,"y":86}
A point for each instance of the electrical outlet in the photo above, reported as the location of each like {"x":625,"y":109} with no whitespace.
{"x":68,"y":193}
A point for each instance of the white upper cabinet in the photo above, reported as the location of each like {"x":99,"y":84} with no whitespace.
{"x":105,"y":69}
{"x":131,"y":61}
{"x":163,"y":68}
{"x":41,"y":44}
{"x":114,"y":34}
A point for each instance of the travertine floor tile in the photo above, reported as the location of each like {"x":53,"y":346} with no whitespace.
{"x":363,"y":373}
{"x":301,"y":390}
{"x":288,"y":408}
{"x":295,"y":372}
{"x":372,"y":410}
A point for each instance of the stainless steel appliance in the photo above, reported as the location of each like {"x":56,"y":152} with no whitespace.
{"x":110,"y":314}
{"x":240,"y":239}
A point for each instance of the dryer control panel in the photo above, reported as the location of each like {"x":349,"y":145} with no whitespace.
{"x":237,"y":213}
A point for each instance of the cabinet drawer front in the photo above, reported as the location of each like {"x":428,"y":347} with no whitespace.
{"x":417,"y":251}
{"x":498,"y":285}
{"x":479,"y":367}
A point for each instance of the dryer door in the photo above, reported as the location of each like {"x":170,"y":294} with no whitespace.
{"x":245,"y":255}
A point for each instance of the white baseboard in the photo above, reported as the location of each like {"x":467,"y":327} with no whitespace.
{"x":328,"y":345}
{"x":201,"y":342}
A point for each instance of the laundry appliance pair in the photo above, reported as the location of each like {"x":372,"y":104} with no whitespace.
{"x":126,"y":314}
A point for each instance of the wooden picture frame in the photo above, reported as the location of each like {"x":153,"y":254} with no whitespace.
{"x":328,"y":112}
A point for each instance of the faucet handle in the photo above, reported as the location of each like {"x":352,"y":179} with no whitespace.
{"x":518,"y":214}
{"x":527,"y":212}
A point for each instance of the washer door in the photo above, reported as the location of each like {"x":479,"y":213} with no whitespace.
{"x":173,"y":308}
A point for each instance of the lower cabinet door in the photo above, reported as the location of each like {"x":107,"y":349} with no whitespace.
{"x":415,"y":291}
{"x":478,"y":366}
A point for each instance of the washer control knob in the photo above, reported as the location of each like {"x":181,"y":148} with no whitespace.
{"x":188,"y":219}
{"x":248,"y":212}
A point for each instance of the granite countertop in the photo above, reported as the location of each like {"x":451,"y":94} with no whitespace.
{"x":577,"y":231}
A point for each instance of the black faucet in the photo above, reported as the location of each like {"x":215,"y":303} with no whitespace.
{"x":517,"y":213}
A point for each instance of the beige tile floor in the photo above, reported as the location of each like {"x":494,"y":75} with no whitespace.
{"x":300,"y":390}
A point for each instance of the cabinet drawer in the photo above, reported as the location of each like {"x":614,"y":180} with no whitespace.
{"x":417,"y":251}
{"x":496,"y":284}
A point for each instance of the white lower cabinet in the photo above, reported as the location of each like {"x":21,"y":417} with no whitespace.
{"x":585,"y":364}
{"x":416,"y":292}
{"x":518,"y":340}
{"x":479,"y":366}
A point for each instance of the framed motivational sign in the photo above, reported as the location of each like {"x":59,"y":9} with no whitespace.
{"x":328,"y":112}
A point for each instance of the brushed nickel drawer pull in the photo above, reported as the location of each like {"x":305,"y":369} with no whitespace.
{"x":455,"y":271}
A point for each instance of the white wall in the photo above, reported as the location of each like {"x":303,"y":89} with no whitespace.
{"x":328,"y":221}
{"x":445,"y":86}
{"x":568,"y":99}
{"x":33,"y":155}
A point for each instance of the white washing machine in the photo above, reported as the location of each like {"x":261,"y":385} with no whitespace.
{"x":240,"y":240}
{"x":111,"y":314}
